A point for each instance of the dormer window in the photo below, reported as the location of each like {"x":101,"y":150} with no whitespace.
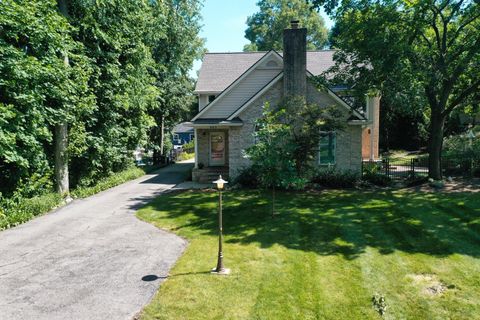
{"x":211,"y":98}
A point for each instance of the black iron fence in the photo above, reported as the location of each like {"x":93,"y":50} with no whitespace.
{"x":452,"y":165}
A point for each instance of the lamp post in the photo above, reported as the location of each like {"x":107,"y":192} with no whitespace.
{"x":220,"y":269}
{"x":471,"y":137}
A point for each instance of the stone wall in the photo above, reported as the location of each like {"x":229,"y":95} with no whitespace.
{"x":203,"y":147}
{"x":349,"y":141}
{"x":241,"y":138}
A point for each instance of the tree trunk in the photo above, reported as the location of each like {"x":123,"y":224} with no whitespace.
{"x":273,"y":201}
{"x":61,"y":135}
{"x":437,"y":123}
{"x":162,"y":135}
{"x":61,"y":159}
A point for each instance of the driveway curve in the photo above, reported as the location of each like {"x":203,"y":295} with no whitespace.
{"x":87,"y":259}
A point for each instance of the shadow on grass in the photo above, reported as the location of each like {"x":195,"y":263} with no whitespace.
{"x":335,"y":222}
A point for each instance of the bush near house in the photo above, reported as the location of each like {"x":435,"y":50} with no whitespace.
{"x":333,"y":178}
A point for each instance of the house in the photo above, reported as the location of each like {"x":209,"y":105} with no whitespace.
{"x":233,"y":87}
{"x":182,"y":134}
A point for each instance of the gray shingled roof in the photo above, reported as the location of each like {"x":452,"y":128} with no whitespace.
{"x":182,"y":128}
{"x":219,"y":70}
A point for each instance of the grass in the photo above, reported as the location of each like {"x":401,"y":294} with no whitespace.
{"x":324,"y":256}
{"x":18,"y":211}
{"x":185,"y":156}
{"x":402,"y":155}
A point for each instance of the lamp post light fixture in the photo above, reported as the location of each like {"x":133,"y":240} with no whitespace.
{"x":220,"y":269}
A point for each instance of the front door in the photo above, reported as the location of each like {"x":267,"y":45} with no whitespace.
{"x":217,"y":148}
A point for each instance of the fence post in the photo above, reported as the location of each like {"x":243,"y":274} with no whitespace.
{"x":387,"y":167}
{"x":412,"y":168}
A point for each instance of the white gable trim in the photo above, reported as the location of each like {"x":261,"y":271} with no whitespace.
{"x":254,"y":97}
{"x":243,"y":76}
{"x":343,"y":103}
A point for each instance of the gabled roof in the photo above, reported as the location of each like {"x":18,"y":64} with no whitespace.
{"x":219,"y":70}
{"x":264,"y":57}
{"x":182,"y":128}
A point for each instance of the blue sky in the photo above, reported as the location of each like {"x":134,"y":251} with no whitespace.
{"x":224,"y":24}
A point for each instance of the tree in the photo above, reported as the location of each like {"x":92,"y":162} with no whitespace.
{"x":173,"y":51}
{"x":61,"y":133}
{"x":265,"y":28}
{"x":287,"y":142}
{"x":425,"y":50}
{"x":95,"y":72}
{"x":116,"y":37}
{"x":37,"y":91}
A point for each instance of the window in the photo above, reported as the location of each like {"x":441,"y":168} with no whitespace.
{"x":211,"y":98}
{"x":191,"y":136}
{"x":326,"y":153}
{"x":176,"y":139}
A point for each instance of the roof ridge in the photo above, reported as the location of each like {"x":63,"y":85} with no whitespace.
{"x":253,"y":52}
{"x":236,"y":52}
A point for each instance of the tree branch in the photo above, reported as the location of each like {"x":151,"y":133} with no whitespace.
{"x":461,"y":27}
{"x":461,"y":97}
{"x":437,"y":32}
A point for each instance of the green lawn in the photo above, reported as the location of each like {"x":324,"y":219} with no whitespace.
{"x":323,"y":256}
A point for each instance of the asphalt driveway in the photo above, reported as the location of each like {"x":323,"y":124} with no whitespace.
{"x":87,"y":259}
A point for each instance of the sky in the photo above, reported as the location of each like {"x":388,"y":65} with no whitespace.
{"x":224,"y":24}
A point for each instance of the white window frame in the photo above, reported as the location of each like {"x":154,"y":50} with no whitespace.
{"x":334,"y":149}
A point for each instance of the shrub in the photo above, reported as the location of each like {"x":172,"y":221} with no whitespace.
{"x":109,"y":182}
{"x":372,"y":174}
{"x":247,"y":178}
{"x":185,"y":156}
{"x":377,"y":179}
{"x":461,"y":144}
{"x":17,"y":210}
{"x":333,"y":178}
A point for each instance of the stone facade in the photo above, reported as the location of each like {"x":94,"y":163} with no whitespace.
{"x":242,"y":137}
{"x":349,"y":140}
{"x":348,"y":146}
{"x":203,"y":146}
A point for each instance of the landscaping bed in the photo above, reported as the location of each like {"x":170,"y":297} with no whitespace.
{"x":325,"y":255}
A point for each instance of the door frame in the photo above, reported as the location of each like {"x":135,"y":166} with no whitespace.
{"x":223,"y":133}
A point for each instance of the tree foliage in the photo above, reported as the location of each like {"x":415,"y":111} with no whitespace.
{"x":36,"y":89}
{"x":265,"y":28}
{"x":424,"y":52}
{"x":128,"y":61}
{"x":287,"y":141}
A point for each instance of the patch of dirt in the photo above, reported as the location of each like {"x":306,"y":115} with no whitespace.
{"x":430,"y":284}
{"x":452,"y":185}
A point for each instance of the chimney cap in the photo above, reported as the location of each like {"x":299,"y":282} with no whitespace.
{"x":294,"y":24}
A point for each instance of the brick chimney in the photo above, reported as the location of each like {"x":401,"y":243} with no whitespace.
{"x":295,"y":60}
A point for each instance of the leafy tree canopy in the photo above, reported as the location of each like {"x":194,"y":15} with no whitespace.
{"x":105,"y":68}
{"x":424,"y":52}
{"x":265,"y":28}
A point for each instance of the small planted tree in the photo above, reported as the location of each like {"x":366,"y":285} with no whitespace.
{"x":287,"y":142}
